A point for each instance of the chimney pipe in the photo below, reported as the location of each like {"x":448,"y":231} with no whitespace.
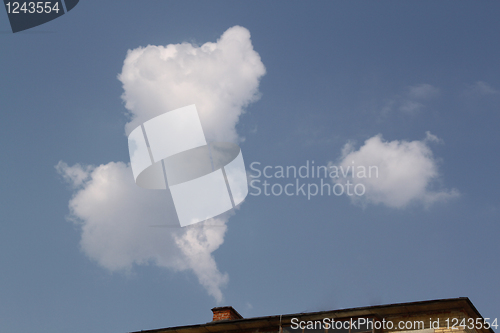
{"x":225,"y":313}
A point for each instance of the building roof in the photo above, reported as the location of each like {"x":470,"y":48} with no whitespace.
{"x":272,"y":323}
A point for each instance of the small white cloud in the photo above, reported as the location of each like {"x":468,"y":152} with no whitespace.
{"x":75,"y":175}
{"x":408,"y":106}
{"x":412,"y":101}
{"x":347,"y":149}
{"x":396,"y":173}
{"x":429,"y":137}
{"x":388,"y":107}
{"x":481,"y":88}
{"x":423,"y":91}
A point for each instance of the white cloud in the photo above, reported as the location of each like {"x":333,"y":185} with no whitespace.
{"x":423,"y":91}
{"x":409,"y":106}
{"x":482,"y":88}
{"x":114,"y":214}
{"x":402,"y":172}
{"x":412,"y":101}
{"x":429,"y":137}
{"x":220,"y":78}
{"x":75,"y":175}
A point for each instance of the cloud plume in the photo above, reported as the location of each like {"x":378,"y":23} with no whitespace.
{"x":114,"y":214}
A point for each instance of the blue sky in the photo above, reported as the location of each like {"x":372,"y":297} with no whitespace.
{"x":343,"y":80}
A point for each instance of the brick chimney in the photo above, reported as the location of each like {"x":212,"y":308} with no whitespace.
{"x":225,"y":313}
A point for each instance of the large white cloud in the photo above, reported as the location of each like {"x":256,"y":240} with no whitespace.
{"x":115,"y":214}
{"x":220,"y":78}
{"x":402,"y":172}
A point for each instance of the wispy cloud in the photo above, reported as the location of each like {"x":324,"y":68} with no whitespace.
{"x":412,"y":100}
{"x":114,"y":214}
{"x":409,"y":106}
{"x":481,"y":88}
{"x":423,"y":91}
{"x":405,"y":172}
